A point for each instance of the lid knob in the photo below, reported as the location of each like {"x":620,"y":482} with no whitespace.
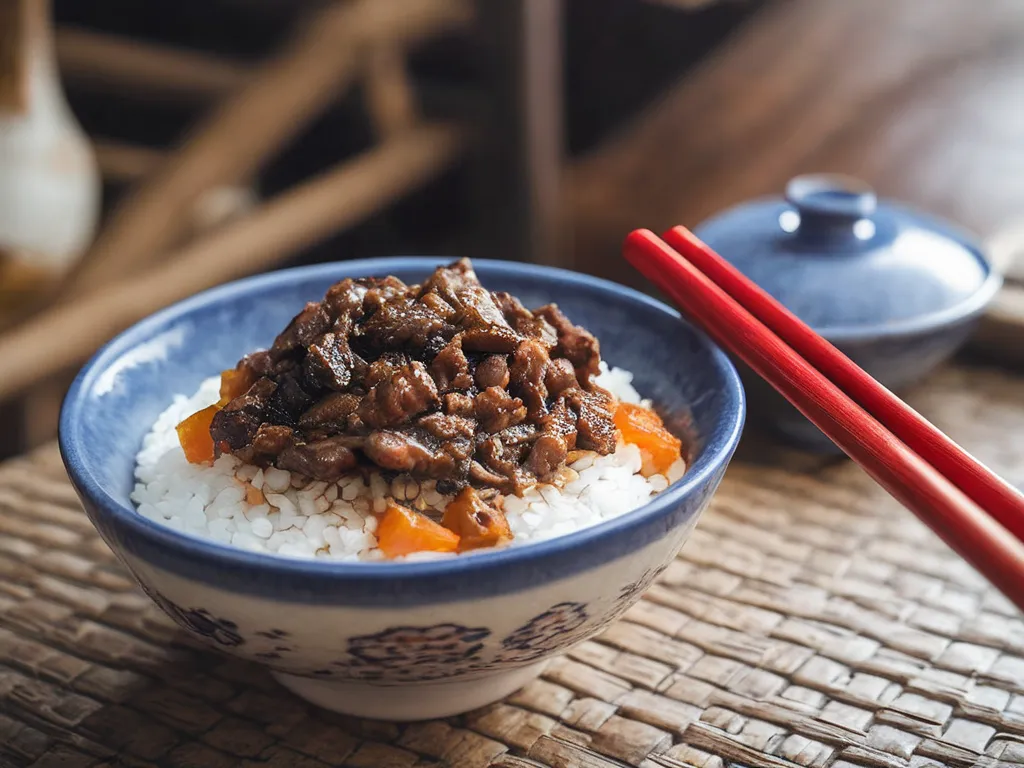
{"x":830,"y":200}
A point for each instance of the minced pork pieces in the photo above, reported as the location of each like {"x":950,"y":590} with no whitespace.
{"x":444,"y":380}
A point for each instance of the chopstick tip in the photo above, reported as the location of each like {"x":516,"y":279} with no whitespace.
{"x":637,"y":244}
{"x":682,"y":232}
{"x":639,"y":235}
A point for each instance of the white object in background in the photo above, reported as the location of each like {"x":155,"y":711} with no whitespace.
{"x":49,"y":181}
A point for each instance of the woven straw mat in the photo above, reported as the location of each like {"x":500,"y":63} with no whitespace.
{"x":809,"y":621}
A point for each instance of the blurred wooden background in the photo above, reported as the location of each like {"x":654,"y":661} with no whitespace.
{"x":234,"y":137}
{"x":920,"y":98}
{"x":239,"y":136}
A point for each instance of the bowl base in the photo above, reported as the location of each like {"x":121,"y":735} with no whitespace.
{"x":415,"y":701}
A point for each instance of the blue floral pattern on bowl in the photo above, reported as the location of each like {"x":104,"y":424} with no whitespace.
{"x":552,"y":629}
{"x":631,"y":592}
{"x":407,"y":653}
{"x":408,"y":647}
{"x":199,"y":622}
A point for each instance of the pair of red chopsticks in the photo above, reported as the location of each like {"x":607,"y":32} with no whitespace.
{"x":973,"y":510}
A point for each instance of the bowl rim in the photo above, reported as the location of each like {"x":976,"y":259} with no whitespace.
{"x":716,"y":452}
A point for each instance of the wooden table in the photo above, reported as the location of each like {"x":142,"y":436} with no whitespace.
{"x":810,"y":621}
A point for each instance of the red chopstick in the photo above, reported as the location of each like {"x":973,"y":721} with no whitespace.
{"x":957,"y":518}
{"x":1004,"y":502}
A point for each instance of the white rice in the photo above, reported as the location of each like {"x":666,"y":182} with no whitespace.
{"x":289,"y":515}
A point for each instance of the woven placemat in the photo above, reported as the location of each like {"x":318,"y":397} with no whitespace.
{"x":810,"y":621}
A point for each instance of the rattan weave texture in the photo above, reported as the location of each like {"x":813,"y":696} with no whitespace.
{"x":809,"y":621}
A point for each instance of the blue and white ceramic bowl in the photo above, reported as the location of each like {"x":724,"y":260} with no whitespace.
{"x":396,"y":641}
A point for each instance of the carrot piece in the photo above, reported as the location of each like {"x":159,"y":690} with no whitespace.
{"x":644,"y":428}
{"x":194,"y":435}
{"x":234,"y":382}
{"x":402,"y":531}
{"x":254,"y":495}
{"x":478,"y":524}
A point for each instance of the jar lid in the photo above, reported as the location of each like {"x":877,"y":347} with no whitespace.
{"x":850,"y":265}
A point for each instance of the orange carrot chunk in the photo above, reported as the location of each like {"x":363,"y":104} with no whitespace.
{"x":644,"y":428}
{"x":254,"y":495}
{"x":402,"y":531}
{"x":194,"y":435}
{"x":477,"y":524}
{"x":234,"y":382}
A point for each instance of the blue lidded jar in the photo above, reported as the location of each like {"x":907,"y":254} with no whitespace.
{"x":896,"y":290}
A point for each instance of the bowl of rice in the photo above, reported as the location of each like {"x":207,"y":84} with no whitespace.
{"x":390,"y":482}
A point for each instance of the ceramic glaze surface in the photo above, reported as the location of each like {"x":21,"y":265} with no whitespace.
{"x":392,"y":646}
{"x":895,"y":290}
{"x":410,"y":663}
{"x":325,"y":627}
{"x":897,"y":362}
{"x":849,"y":265}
